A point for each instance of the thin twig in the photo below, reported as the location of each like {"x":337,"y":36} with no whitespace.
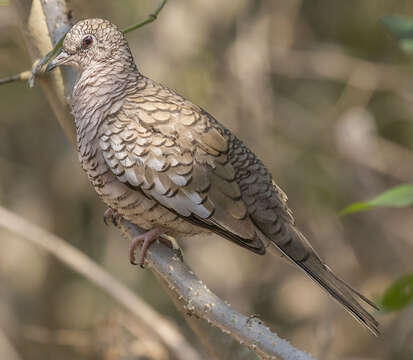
{"x":85,"y":266}
{"x":151,"y":17}
{"x":23,"y":76}
{"x":44,"y":60}
{"x":38,"y":65}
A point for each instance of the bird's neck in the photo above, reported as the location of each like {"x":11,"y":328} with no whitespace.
{"x":98,"y":93}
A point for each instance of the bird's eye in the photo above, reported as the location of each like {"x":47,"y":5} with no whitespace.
{"x":87,"y":41}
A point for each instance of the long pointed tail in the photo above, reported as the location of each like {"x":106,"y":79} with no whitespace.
{"x":300,"y":252}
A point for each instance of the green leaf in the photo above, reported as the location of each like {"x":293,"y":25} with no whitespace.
{"x":402,"y":29}
{"x":399,"y":196}
{"x":399,"y":294}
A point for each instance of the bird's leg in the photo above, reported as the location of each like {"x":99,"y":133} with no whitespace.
{"x":111,"y":216}
{"x":146,"y":239}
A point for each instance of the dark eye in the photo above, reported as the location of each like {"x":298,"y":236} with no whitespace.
{"x":87,"y":41}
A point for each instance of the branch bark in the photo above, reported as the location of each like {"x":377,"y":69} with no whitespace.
{"x":154,"y":323}
{"x":196,"y":299}
{"x":43,"y":23}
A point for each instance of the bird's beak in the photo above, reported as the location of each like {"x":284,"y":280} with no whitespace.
{"x":60,"y":59}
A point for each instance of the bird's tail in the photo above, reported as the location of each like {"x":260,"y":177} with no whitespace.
{"x":300,"y":252}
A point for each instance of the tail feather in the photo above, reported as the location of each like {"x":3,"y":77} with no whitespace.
{"x":300,"y":252}
{"x":361,"y":296}
{"x":341,"y":292}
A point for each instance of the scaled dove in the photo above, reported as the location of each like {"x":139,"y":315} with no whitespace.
{"x":168,"y":166}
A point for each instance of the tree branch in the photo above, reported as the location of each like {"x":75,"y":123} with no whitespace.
{"x":194,"y":298}
{"x":82,"y":264}
{"x":198,"y":300}
{"x":43,"y":23}
{"x":38,"y":65}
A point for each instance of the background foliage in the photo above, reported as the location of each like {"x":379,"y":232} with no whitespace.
{"x":319,"y":90}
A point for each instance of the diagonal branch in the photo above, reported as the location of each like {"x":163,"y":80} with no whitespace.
{"x":82,"y":264}
{"x":193,"y":295}
{"x":198,"y":300}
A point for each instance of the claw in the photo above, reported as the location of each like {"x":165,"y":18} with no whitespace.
{"x":132,"y":246}
{"x":179,"y":253}
{"x":173,"y":244}
{"x":147,"y":240}
{"x":106,"y":215}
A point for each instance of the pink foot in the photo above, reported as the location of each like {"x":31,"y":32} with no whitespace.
{"x":146,"y":239}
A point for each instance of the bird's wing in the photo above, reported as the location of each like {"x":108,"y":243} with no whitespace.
{"x":172,"y":151}
{"x":181,"y":156}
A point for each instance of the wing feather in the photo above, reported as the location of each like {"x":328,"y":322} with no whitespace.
{"x":184,"y":165}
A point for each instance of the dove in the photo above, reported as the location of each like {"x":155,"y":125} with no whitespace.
{"x":169,"y":167}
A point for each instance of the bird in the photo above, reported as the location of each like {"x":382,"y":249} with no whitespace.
{"x":166,"y":165}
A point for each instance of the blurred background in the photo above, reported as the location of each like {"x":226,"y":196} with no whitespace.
{"x":322,"y":94}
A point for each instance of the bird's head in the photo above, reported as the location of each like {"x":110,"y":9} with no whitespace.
{"x":90,"y":42}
